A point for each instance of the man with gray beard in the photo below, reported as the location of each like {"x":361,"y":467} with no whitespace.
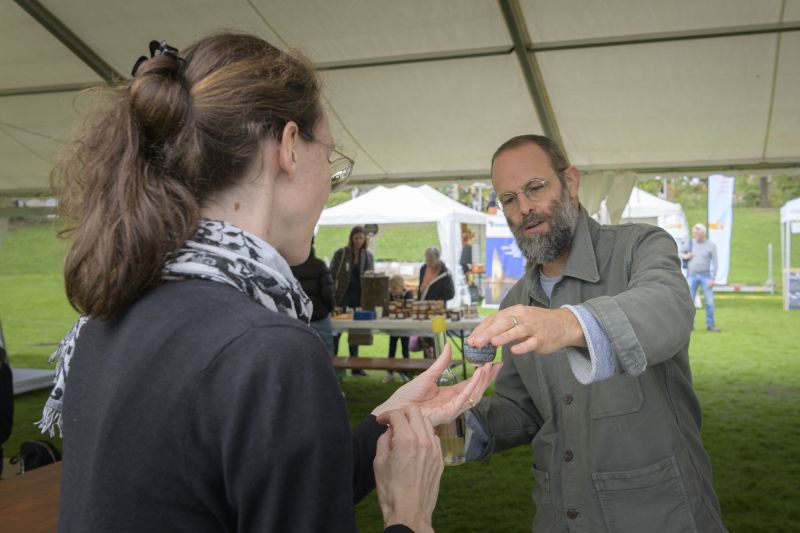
{"x":596,"y":377}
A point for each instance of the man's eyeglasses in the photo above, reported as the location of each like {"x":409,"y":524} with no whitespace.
{"x":534,"y":191}
{"x":341,"y":166}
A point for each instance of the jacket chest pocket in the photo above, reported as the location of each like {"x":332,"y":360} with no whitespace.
{"x":619,"y":395}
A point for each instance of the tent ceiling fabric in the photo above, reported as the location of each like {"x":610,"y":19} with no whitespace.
{"x":421,"y":90}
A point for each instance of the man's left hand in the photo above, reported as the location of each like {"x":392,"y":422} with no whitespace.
{"x":711,"y":283}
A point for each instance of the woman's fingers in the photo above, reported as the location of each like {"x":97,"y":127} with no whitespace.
{"x":486,"y":375}
{"x":394,"y":418}
{"x":440,"y":365}
{"x":420,"y":425}
{"x":383,"y":447}
{"x":464,"y":395}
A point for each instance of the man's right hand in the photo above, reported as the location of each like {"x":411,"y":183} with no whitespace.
{"x":534,"y":329}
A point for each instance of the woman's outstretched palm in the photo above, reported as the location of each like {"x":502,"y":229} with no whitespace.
{"x":441,"y":404}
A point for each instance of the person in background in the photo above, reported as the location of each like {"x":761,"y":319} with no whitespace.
{"x":467,"y":238}
{"x":316,"y":280}
{"x":596,"y":374}
{"x":435,"y":283}
{"x":6,"y":398}
{"x":348,"y":266}
{"x":397,"y":293}
{"x":701,"y":255}
{"x":192,"y":393}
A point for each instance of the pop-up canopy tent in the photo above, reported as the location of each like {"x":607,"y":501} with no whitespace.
{"x":649,"y":209}
{"x":413,"y":205}
{"x":790,"y":224}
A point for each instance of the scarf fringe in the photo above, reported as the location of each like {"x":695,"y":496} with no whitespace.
{"x":51,"y":419}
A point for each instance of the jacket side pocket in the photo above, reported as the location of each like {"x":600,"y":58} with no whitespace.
{"x":652,"y":498}
{"x":545,"y":512}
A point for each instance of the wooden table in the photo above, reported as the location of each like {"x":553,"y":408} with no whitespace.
{"x":457,"y":330}
{"x":404,"y":367}
{"x":29,"y":501}
{"x":404,"y":327}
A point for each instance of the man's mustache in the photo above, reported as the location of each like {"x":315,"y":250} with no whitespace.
{"x":532,"y":219}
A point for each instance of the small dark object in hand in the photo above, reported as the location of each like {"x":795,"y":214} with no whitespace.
{"x":480,"y":356}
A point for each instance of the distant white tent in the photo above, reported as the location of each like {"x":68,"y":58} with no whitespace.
{"x":790,"y":224}
{"x":646,"y":208}
{"x":413,"y":205}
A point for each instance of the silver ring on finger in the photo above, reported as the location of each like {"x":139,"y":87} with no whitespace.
{"x":514,"y":321}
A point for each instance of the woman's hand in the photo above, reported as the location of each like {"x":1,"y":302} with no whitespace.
{"x":441,"y":404}
{"x":408,"y":467}
{"x":534,"y":329}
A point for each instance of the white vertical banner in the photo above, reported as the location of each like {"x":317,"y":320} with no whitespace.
{"x":720,"y":222}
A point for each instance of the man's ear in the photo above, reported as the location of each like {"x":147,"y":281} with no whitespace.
{"x":573,"y":178}
{"x":287,"y":150}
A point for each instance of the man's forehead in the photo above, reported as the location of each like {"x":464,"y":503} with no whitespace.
{"x":522,"y":163}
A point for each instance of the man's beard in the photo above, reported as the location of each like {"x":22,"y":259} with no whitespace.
{"x":541,"y":248}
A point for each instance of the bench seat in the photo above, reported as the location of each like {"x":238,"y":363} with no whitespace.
{"x":385,"y":363}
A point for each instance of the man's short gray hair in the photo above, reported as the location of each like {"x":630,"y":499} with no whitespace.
{"x":701,"y":227}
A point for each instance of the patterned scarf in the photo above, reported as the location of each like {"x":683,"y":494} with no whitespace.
{"x":218,"y":252}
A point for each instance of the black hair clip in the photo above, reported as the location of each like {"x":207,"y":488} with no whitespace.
{"x":156,"y":49}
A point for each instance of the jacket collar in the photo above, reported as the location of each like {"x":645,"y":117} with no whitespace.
{"x":581,"y":264}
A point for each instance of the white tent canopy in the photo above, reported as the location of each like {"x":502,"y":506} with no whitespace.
{"x":413,"y":205}
{"x":790,"y":212}
{"x":650,"y":209}
{"x":422,"y":90}
{"x":790,"y":224}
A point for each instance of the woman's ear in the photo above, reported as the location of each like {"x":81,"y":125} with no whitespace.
{"x":287,"y":150}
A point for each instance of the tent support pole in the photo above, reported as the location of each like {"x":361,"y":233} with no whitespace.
{"x":515,"y":21}
{"x":74,"y":44}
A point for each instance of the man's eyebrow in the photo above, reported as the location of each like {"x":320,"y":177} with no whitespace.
{"x":526,"y":183}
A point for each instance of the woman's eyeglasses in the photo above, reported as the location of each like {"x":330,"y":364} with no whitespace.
{"x":341,"y":166}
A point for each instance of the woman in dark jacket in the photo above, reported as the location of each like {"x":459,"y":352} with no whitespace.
{"x":192,"y":393}
{"x":435,"y":281}
{"x":347,"y":266}
{"x":317,"y":283}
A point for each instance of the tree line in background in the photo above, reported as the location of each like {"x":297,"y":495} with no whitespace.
{"x":749,"y":191}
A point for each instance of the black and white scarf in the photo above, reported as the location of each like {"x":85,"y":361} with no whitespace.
{"x":218,"y":252}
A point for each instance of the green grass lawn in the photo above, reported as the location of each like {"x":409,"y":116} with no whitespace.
{"x":747,"y":379}
{"x":748,"y":382}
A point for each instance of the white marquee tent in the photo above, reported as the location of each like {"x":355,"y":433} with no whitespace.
{"x":412,"y":205}
{"x":650,"y":209}
{"x":790,"y":224}
{"x":422,"y":91}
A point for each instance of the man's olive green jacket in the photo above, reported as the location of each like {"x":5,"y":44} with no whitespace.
{"x":623,"y":454}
